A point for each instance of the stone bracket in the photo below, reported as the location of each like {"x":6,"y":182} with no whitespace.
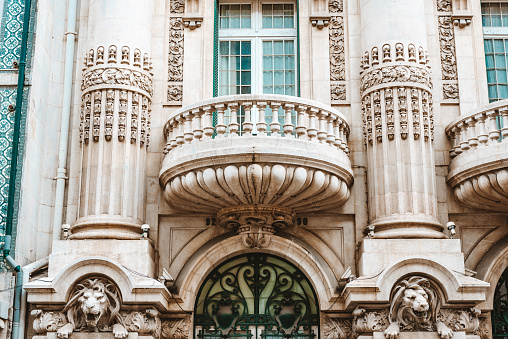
{"x":462,"y":20}
{"x":192,"y":22}
{"x":320,"y":21}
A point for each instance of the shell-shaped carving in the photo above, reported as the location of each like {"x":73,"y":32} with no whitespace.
{"x":302,"y":189}
{"x":486,"y":191}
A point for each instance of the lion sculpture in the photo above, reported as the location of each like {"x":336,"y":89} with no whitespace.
{"x":94,"y":306}
{"x":414,"y":307}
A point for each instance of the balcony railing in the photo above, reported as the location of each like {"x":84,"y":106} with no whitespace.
{"x":314,"y":122}
{"x":270,"y":150}
{"x":478,"y":172}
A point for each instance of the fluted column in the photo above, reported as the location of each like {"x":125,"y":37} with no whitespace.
{"x":115,"y":119}
{"x":398,"y":120}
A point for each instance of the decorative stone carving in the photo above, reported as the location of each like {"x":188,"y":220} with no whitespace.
{"x":94,"y":306}
{"x":256,"y":223}
{"x":117,"y":76}
{"x":175,"y":92}
{"x":450,"y":91}
{"x":192,"y":22}
{"x":175,"y":58}
{"x":337,"y":328}
{"x":177,"y":6}
{"x":447,"y":48}
{"x":175,"y":328}
{"x":397,"y":73}
{"x":338,"y":92}
{"x":444,"y":5}
{"x":369,"y":321}
{"x":461,"y":320}
{"x":414,"y":307}
{"x":335,"y":6}
{"x":337,"y":54}
{"x":319,"y":21}
{"x":483,"y":330}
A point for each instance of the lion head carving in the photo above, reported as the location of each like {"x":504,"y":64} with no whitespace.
{"x":94,"y":306}
{"x":414,"y":307}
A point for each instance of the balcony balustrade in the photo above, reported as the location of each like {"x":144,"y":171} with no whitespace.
{"x":297,"y":160}
{"x":479,"y":168}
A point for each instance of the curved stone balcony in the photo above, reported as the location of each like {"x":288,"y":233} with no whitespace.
{"x":240,"y":162}
{"x":479,"y":170}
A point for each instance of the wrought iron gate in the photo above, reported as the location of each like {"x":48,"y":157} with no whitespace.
{"x":500,"y":311}
{"x":256,"y":296}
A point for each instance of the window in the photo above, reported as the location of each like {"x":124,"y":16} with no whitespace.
{"x":499,"y":315}
{"x":256,"y":52}
{"x":256,"y":296}
{"x":257,"y":48}
{"x":495,"y":30}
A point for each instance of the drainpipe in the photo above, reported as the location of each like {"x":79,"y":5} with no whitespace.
{"x":13,"y":171}
{"x":61,"y":175}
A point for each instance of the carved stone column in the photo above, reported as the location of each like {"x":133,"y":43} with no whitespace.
{"x":115,"y":119}
{"x":398,"y":120}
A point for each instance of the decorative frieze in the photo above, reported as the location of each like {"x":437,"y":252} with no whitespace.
{"x":451,"y":91}
{"x":337,"y":54}
{"x":396,"y":73}
{"x":448,"y":57}
{"x":444,"y":5}
{"x":175,"y":56}
{"x":175,"y":92}
{"x":336,"y":6}
{"x":118,"y":76}
{"x":338,"y":92}
{"x":177,"y":6}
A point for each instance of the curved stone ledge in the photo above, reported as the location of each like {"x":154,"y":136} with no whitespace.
{"x":479,"y":170}
{"x":211,"y":175}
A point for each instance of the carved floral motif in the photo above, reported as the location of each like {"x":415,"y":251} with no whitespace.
{"x":335,"y":6}
{"x":177,"y":6}
{"x":175,"y":92}
{"x":337,"y":55}
{"x":444,"y":5}
{"x":369,"y":321}
{"x":447,"y":47}
{"x":397,"y":73}
{"x":337,"y":328}
{"x":338,"y":92}
{"x":175,"y":57}
{"x":450,"y":91}
{"x":175,"y":328}
{"x":461,"y":320}
{"x":117,"y":76}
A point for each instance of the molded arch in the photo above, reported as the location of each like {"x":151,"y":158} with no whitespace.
{"x":67,"y":278}
{"x":231,"y":247}
{"x":491,"y":267}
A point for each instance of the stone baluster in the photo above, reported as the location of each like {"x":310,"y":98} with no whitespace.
{"x":188,"y":135}
{"x":180,"y":139}
{"x":288,"y":125}
{"x":398,"y":126}
{"x":247,"y":123}
{"x":174,"y":128}
{"x":220,"y":127}
{"x":342,"y":137}
{"x":261,"y":125}
{"x":233,"y":123}
{"x":504,"y":115}
{"x":464,"y":144}
{"x":322,"y":127}
{"x":301,"y":128}
{"x":336,"y":132}
{"x":483,"y":137}
{"x":208,"y":125}
{"x":330,"y":138}
{"x":275,"y":124}
{"x":472,"y":138}
{"x":458,"y":138}
{"x":197,"y":130}
{"x":116,"y":121}
{"x":451,"y":135}
{"x":312,"y":131}
{"x":493,"y":131}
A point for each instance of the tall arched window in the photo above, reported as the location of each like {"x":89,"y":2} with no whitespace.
{"x":500,"y":308}
{"x":256,"y":296}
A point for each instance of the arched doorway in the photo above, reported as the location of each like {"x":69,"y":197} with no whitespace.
{"x":256,"y":295}
{"x":500,"y":308}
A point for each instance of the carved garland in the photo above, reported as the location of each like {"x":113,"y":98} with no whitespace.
{"x":448,"y":53}
{"x":175,"y":55}
{"x":337,"y":53}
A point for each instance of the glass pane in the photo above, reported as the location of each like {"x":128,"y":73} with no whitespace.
{"x":290,"y":77}
{"x":278,"y":78}
{"x":234,"y":22}
{"x":235,"y":63}
{"x":278,"y":90}
{"x":245,"y":90}
{"x":234,"y":10}
{"x":501,"y":77}
{"x":224,"y":10}
{"x":498,"y":46}
{"x":235,"y":47}
{"x":289,"y":23}
{"x":223,"y":63}
{"x":288,"y":10}
{"x":278,"y":47}
{"x":267,"y":10}
{"x":223,"y":90}
{"x":267,"y":78}
{"x":491,"y":76}
{"x":267,"y":22}
{"x":495,"y":8}
{"x":246,"y":79}
{"x":224,"y":23}
{"x":290,"y":90}
{"x":246,"y":62}
{"x":502,"y":91}
{"x":500,"y":61}
{"x":278,"y":9}
{"x":489,"y":61}
{"x":486,"y":21}
{"x":290,"y":62}
{"x":278,"y":62}
{"x":246,"y":22}
{"x":267,"y":48}
{"x":245,"y":10}
{"x":289,"y":47}
{"x":234,"y":78}
{"x":495,"y":20}
{"x":489,"y":47}
{"x":278,"y":22}
{"x":267,"y":63}
{"x":485,"y":8}
{"x":492,"y":91}
{"x":223,"y":78}
{"x":224,"y":47}
{"x":245,"y":47}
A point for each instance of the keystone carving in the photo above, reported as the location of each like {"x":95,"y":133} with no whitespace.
{"x":414,"y":307}
{"x":94,"y":306}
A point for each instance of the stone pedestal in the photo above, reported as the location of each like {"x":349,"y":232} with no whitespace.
{"x":117,"y":92}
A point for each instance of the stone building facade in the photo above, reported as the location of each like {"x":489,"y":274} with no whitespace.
{"x":259,"y":169}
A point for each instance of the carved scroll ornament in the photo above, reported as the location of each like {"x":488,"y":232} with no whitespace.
{"x":447,"y":47}
{"x":337,"y":54}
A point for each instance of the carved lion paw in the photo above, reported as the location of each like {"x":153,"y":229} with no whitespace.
{"x":65,"y":331}
{"x":444,"y":331}
{"x":119,"y":331}
{"x":392,"y":332}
